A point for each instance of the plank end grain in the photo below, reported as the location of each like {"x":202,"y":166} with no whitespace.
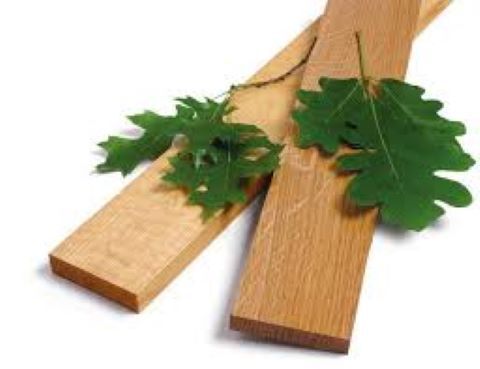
{"x":291,"y":336}
{"x":303,"y":276}
{"x":92,"y":282}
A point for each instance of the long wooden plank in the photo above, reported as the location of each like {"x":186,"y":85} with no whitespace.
{"x":303,"y":277}
{"x":133,"y":247}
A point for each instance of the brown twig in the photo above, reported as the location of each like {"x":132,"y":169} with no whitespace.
{"x":278,"y":79}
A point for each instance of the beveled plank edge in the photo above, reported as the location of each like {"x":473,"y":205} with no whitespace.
{"x":93,"y":283}
{"x":290,"y":336}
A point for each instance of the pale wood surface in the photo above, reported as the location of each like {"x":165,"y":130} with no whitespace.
{"x":134,"y":246}
{"x":303,"y":276}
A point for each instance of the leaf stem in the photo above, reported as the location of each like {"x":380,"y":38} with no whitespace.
{"x":371,"y":102}
{"x":361,"y":56}
{"x":361,"y":63}
{"x":271,"y":81}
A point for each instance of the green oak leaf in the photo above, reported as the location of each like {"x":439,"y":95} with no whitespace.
{"x":214,"y":164}
{"x":399,"y":140}
{"x":125,"y":154}
{"x":239,"y":152}
{"x":193,"y":118}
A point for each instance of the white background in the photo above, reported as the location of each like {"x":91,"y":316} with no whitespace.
{"x":69,"y":73}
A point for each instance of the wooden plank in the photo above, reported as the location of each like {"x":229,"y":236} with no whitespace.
{"x":303,"y":276}
{"x":133,"y":247}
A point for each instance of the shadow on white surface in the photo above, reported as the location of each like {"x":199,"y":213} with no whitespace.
{"x":401,"y":237}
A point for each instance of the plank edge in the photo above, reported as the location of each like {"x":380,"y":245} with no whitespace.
{"x":290,"y":336}
{"x":100,"y":286}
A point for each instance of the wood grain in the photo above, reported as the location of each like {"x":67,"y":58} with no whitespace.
{"x":304,"y":273}
{"x":134,"y":246}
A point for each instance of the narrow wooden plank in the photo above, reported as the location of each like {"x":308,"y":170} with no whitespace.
{"x":303,"y":276}
{"x":133,"y":247}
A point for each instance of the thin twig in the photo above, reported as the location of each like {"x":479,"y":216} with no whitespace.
{"x":278,"y":79}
